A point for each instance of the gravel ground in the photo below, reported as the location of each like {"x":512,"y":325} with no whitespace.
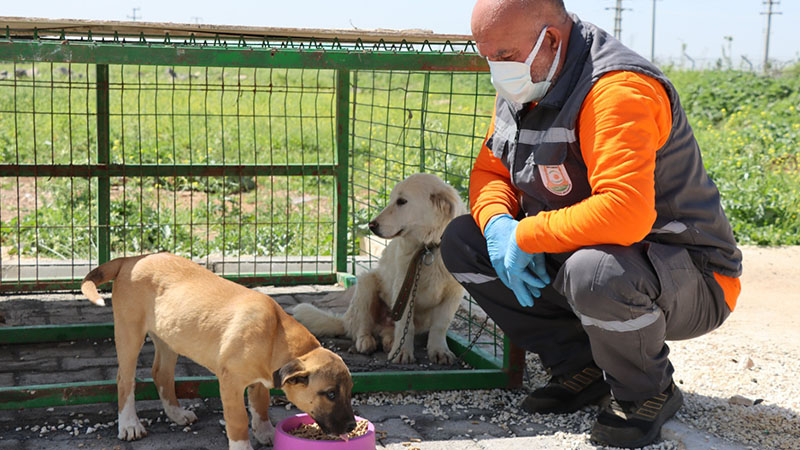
{"x":723,"y":376}
{"x":710,"y":370}
{"x":740,"y":382}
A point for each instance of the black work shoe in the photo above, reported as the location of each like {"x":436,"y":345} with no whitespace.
{"x":635,"y":424}
{"x":568,"y":393}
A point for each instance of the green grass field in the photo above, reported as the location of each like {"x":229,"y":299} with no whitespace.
{"x":747,"y":126}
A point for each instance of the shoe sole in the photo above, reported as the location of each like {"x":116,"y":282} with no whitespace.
{"x":601,"y":434}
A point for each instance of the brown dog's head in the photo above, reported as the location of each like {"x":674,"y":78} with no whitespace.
{"x":320,"y":384}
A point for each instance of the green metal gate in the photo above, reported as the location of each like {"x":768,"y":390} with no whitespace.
{"x":259,"y":153}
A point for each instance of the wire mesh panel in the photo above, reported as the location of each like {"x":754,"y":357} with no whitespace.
{"x":241,"y":117}
{"x":47,"y":116}
{"x":180,"y":137}
{"x":409,"y":122}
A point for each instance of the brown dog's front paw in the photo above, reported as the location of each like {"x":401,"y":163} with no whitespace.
{"x":263,"y":431}
{"x":130,"y":431}
{"x":179,"y":415}
{"x":366,"y":344}
{"x":239,"y":445}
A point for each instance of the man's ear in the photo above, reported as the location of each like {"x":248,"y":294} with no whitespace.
{"x":292,"y":372}
{"x":553,"y":38}
{"x":442,"y":201}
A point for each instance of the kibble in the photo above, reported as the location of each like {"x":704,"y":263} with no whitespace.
{"x":313,"y":432}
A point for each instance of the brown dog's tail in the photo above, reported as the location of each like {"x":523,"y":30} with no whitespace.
{"x":101,"y":274}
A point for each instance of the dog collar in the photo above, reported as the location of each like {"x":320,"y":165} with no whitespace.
{"x":426,"y":256}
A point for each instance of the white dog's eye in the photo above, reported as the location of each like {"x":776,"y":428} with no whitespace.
{"x":401,"y":201}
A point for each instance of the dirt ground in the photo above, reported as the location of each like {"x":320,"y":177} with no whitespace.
{"x":769,"y":306}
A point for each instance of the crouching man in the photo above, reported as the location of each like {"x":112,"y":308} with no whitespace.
{"x":595,"y":234}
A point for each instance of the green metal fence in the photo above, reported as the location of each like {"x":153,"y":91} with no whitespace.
{"x":261,"y":156}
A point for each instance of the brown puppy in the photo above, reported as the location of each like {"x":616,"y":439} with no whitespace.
{"x":244,"y":337}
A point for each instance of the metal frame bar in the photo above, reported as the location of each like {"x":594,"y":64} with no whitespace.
{"x":342,"y":166}
{"x":103,"y":157}
{"x":33,"y":334}
{"x":63,"y":394}
{"x":37,"y":334}
{"x":283,"y":279}
{"x":179,"y":55}
{"x":162,"y":170}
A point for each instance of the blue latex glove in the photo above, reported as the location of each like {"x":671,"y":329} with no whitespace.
{"x":514,"y":267}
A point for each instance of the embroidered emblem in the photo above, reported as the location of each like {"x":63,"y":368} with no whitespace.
{"x":556,"y":179}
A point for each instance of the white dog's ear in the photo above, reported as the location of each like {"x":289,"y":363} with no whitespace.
{"x":443,"y":202}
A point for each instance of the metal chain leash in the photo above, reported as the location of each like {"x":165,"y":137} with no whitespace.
{"x":409,"y":313}
{"x":472,"y":343}
{"x":427,"y":259}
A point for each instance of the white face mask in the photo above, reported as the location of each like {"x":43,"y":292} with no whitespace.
{"x":512,"y":79}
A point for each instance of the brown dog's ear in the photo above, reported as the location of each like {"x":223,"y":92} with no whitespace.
{"x":292,"y":372}
{"x":443,"y":202}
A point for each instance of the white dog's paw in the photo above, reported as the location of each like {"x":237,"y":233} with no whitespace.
{"x":441,"y":356}
{"x":388,"y":340}
{"x":130,"y":430}
{"x":180,"y":415}
{"x":263,"y":431}
{"x":404,"y":356}
{"x":365,"y":344}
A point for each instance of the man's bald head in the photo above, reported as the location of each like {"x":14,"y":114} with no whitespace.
{"x":488,"y":14}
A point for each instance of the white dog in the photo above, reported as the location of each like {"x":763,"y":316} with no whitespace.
{"x":420,"y":207}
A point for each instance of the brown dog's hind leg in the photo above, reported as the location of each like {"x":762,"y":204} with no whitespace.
{"x":258,"y":396}
{"x":128,"y":339}
{"x":164,"y":378}
{"x":231,"y":390}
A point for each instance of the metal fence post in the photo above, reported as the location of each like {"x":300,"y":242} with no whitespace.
{"x":342,"y":165}
{"x":103,"y":159}
{"x":423,"y":116}
{"x":513,"y":363}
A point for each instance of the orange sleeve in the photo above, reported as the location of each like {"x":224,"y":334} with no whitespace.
{"x":624,"y":120}
{"x":490,"y":189}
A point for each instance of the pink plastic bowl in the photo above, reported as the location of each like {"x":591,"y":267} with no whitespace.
{"x":285,"y":441}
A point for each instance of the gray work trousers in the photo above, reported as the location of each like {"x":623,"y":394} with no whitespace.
{"x":612,"y":304}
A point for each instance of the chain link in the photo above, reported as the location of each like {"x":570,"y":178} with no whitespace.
{"x":408,"y":314}
{"x":472,"y":343}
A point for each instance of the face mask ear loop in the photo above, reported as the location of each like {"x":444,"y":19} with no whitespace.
{"x":555,"y":63}
{"x":529,"y":59}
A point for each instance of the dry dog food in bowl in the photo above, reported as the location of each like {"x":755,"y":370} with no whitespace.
{"x":300,"y":432}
